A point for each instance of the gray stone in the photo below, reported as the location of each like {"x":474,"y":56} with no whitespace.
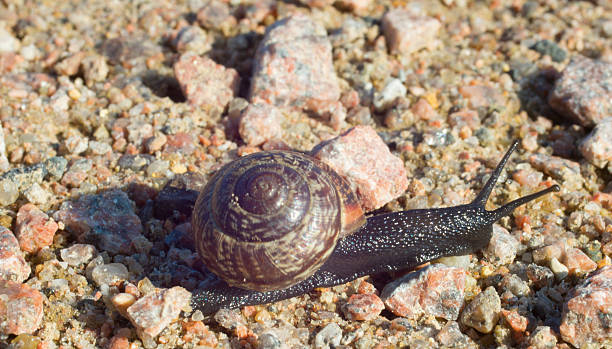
{"x":329,"y":336}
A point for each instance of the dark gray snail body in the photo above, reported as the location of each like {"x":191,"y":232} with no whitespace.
{"x":350,"y":247}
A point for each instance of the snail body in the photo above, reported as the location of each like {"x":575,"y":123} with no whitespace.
{"x":355,"y":246}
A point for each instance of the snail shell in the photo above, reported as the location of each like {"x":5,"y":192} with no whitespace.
{"x":269,"y":220}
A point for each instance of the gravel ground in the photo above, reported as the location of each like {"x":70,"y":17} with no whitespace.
{"x":115,"y":113}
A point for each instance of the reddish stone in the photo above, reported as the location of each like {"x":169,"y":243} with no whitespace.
{"x":34,"y":229}
{"x":293,"y":67}
{"x":362,"y":307}
{"x":21,"y":308}
{"x":360,"y":156}
{"x":481,"y":96}
{"x":406,"y":31}
{"x":436,"y":290}
{"x":577,"y":262}
{"x":586,"y":314}
{"x":13,"y":266}
{"x":260,"y":123}
{"x":423,"y":110}
{"x":204,"y":82}
{"x":582,"y":93}
{"x":559,"y":168}
{"x":119,"y":342}
{"x":516,"y":322}
{"x":153,"y":312}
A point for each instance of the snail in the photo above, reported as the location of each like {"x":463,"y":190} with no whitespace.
{"x":274,"y":225}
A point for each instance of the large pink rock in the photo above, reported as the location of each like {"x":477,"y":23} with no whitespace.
{"x":13,"y":266}
{"x":21,"y":308}
{"x":360,"y":156}
{"x":406,"y":31}
{"x":293,"y":68}
{"x":204,"y":82}
{"x":587,"y":313}
{"x":34,"y":229}
{"x":436,"y":290}
{"x":583,"y":93}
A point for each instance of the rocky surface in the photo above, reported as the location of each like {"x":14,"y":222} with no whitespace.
{"x":113,"y":117}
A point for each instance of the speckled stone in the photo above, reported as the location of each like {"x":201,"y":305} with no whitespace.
{"x":543,"y":337}
{"x":329,"y":336}
{"x":406,"y":31}
{"x":34,"y":229}
{"x":483,"y":311}
{"x":502,"y":247}
{"x":21,"y":308}
{"x":450,"y":336}
{"x":362,"y":158}
{"x":292,"y":42}
{"x":259,"y":123}
{"x":204,"y":82}
{"x":583,"y":93}
{"x":436,"y":290}
{"x":78,"y":254}
{"x":587,"y":312}
{"x":363,"y":307}
{"x":596,"y":147}
{"x":13,"y":266}
{"x":108,"y":220}
{"x":153,"y":312}
{"x":562,"y":169}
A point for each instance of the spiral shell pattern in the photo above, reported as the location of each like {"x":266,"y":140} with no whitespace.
{"x":268,"y":220}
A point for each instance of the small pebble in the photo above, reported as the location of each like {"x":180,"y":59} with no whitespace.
{"x":558,"y":269}
{"x":483,"y":311}
{"x":328,"y":337}
{"x":78,"y":254}
{"x":502,"y":247}
{"x":108,"y":274}
{"x":590,"y":300}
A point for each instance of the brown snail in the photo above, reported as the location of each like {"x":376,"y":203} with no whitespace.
{"x":273,"y":225}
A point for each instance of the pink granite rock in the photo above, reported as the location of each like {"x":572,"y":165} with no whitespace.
{"x":436,"y":290}
{"x":21,"y":308}
{"x":108,"y":219}
{"x":34,"y":229}
{"x":260,"y":123}
{"x":153,"y":312}
{"x":407,"y":31}
{"x":360,"y":156}
{"x":582,"y":93}
{"x":13,"y":266}
{"x":597,"y":146}
{"x":204,"y":82}
{"x":363,"y":307}
{"x":587,"y":312}
{"x":293,"y":67}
